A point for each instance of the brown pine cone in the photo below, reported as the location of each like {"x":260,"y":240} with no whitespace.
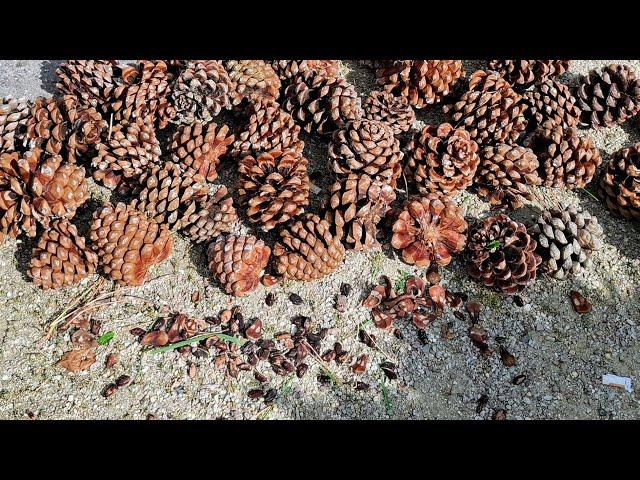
{"x":217,"y":215}
{"x":34,"y":187}
{"x":609,"y":97}
{"x":394,"y":111}
{"x":198,"y":148}
{"x":321,"y":103}
{"x":619,"y":185}
{"x":61,"y":257}
{"x":551,"y":100}
{"x":288,"y":69}
{"x":442,"y":159}
{"x":490,"y":110}
{"x":366,"y":146}
{"x":307,"y":250}
{"x":357,"y":205}
{"x":128,"y":243}
{"x":92,"y":82}
{"x":524,"y":73}
{"x":566,"y":160}
{"x":274,"y":187}
{"x":504,"y":174}
{"x":14,"y":115}
{"x":502,"y":254}
{"x":423,"y":82}
{"x":428,"y":230}
{"x":238,"y":262}
{"x":255,"y":80}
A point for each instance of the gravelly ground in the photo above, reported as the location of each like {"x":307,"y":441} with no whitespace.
{"x":563,"y":354}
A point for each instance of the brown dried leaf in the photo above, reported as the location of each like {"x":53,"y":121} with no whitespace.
{"x":580,"y":304}
{"x":78,"y":360}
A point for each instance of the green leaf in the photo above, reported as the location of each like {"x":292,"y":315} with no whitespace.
{"x":401,"y":282}
{"x":106,"y":338}
{"x":230,"y":339}
{"x":385,"y":396}
{"x":590,"y":194}
{"x":196,"y":339}
{"x":365,"y":324}
{"x":493,"y":244}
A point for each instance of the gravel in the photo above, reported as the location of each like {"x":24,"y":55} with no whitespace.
{"x":562,"y":354}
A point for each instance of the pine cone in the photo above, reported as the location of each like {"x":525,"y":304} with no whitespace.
{"x":128,"y":243}
{"x":357,"y":205}
{"x":238,"y":262}
{"x":551,"y":100}
{"x":37,"y":188}
{"x":442,"y":159}
{"x":307,"y":250}
{"x":92,"y":82}
{"x":609,"y":97}
{"x":565,"y":158}
{"x":502,"y":255}
{"x":61,"y":257}
{"x":423,"y":82}
{"x":524,"y":73}
{"x":394,"y":111}
{"x":566,"y":237}
{"x":504,"y":174}
{"x":288,"y":69}
{"x":366,"y":146}
{"x":321,"y":103}
{"x":619,"y":185}
{"x":133,"y":148}
{"x":255,"y":80}
{"x":490,"y":110}
{"x":198,"y":148}
{"x":14,"y":114}
{"x":216,"y":216}
{"x":428,"y":230}
{"x":273,"y":187}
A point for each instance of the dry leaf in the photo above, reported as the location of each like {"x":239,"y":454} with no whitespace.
{"x":78,"y":360}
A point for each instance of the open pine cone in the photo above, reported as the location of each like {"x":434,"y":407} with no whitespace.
{"x":255,"y":80}
{"x":524,"y":73}
{"x":217,"y":215}
{"x":288,"y":69}
{"x":551,"y":100}
{"x":92,"y":82}
{"x":387,"y":108}
{"x":619,"y":185}
{"x":14,"y":115}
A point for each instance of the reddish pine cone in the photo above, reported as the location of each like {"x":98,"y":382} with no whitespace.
{"x":551,"y":100}
{"x":91,"y":82}
{"x":619,"y":186}
{"x":289,"y":69}
{"x":525,"y":73}
{"x":255,"y":80}
{"x":217,"y":215}
{"x":14,"y":115}
{"x":387,"y":108}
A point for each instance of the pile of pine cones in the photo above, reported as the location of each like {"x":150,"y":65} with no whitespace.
{"x":509,"y":127}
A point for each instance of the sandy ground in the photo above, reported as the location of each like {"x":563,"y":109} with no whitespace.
{"x":562,"y":354}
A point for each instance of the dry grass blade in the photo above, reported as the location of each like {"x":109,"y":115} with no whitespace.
{"x":325,"y":368}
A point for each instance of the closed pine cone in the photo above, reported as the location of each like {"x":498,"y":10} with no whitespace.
{"x":442,"y":159}
{"x":307,"y":250}
{"x":619,"y":185}
{"x":394,"y":111}
{"x":238,"y":262}
{"x":524,"y":73}
{"x":428,"y":230}
{"x":217,"y":215}
{"x":128,"y":243}
{"x":92,"y":82}
{"x":61,"y":257}
{"x":288,"y":69}
{"x":255,"y":80}
{"x":551,"y":100}
{"x":14,"y":114}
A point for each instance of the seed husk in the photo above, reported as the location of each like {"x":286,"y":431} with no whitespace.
{"x":295,"y":299}
{"x":255,"y":393}
{"x":580,"y":303}
{"x":508,"y":360}
{"x":500,"y":414}
{"x":270,"y":395}
{"x":111,"y":360}
{"x":270,"y":299}
{"x":345,"y":289}
{"x":423,"y":337}
{"x":123,"y":380}
{"x":519,"y":379}
{"x":110,"y":390}
{"x":362,"y":386}
{"x":302,"y":370}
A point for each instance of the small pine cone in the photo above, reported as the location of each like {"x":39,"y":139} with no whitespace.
{"x":321,"y":103}
{"x":619,"y":185}
{"x":490,"y":110}
{"x":92,"y":82}
{"x":255,"y":80}
{"x":609,"y":97}
{"x":551,"y":100}
{"x":394,"y":111}
{"x":128,"y":243}
{"x":217,"y":215}
{"x":238,"y":262}
{"x":423,"y":82}
{"x":565,"y":158}
{"x":357,"y":205}
{"x":442,"y":159}
{"x":366,"y":146}
{"x":274,"y":187}
{"x":288,"y":69}
{"x":133,"y":147}
{"x":566,"y":237}
{"x":428,"y":230}
{"x":524,"y":73}
{"x":504,"y":174}
{"x":61,"y":257}
{"x":14,"y":115}
{"x":307,"y":250}
{"x":198,"y":148}
{"x":502,"y":254}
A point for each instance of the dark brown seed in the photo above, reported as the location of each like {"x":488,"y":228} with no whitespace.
{"x":474,"y":311}
{"x":368,"y":339}
{"x":95,"y":326}
{"x":195,"y":297}
{"x":323,"y":333}
{"x":200,"y":353}
{"x":341,"y":303}
{"x":459,"y":315}
{"x":289,"y":367}
{"x":123,"y":380}
{"x":255,"y":393}
{"x":398,"y":334}
{"x":423,"y":337}
{"x":263,"y":353}
{"x":111,"y":360}
{"x":463,"y":296}
{"x":508,"y":360}
{"x":254,"y":332}
{"x":478,"y":334}
{"x":137,"y":331}
{"x":482,"y":402}
{"x":302,"y":370}
{"x":337,"y":347}
{"x":446,"y":331}
{"x":518,"y":301}
{"x":271,"y":395}
{"x":389,"y":369}
{"x":518,"y":379}
{"x":110,"y":390}
{"x":345,"y":289}
{"x":340,"y":359}
{"x":500,"y":414}
{"x":324,"y":379}
{"x":500,"y":339}
{"x":151,"y":416}
{"x":215,"y":321}
{"x":295,"y":299}
{"x":270,"y":299}
{"x":580,"y":304}
{"x":433,"y":277}
{"x":361,"y":386}
{"x":260,"y":377}
{"x":30,"y":414}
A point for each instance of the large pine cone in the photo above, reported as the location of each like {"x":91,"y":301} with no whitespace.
{"x":394,"y":111}
{"x":490,"y":110}
{"x":274,"y":187}
{"x":358,"y":203}
{"x":61,"y":257}
{"x":199,"y":148}
{"x":38,"y":188}
{"x":565,"y":158}
{"x":288,"y":69}
{"x":504,"y":174}
{"x":609,"y":97}
{"x":217,"y":215}
{"x":366,"y":147}
{"x":128,"y":242}
{"x":524,"y":73}
{"x":423,"y":82}
{"x":92,"y":82}
{"x":238,"y":262}
{"x":502,"y":254}
{"x":428,"y":230}
{"x":255,"y":80}
{"x":14,"y":114}
{"x":321,"y":103}
{"x":566,"y":237}
{"x":619,"y":186}
{"x":442,"y":159}
{"x":307,"y":250}
{"x":551,"y":100}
